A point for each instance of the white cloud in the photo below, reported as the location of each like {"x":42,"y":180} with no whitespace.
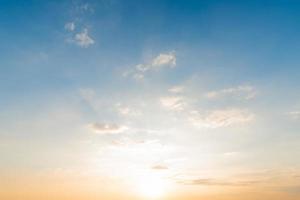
{"x":142,"y":67}
{"x":172,"y":102}
{"x":221,"y":118}
{"x":83,"y":39}
{"x":107,"y":128}
{"x":294,"y":114}
{"x":163,"y":60}
{"x":138,"y":76}
{"x":70,"y":26}
{"x":126,"y":110}
{"x":243,"y":91}
{"x":176,"y":89}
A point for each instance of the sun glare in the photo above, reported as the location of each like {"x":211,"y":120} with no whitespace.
{"x":151,"y":186}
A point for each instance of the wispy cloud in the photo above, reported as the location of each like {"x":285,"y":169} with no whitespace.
{"x":173,"y":102}
{"x":215,"y":182}
{"x":242,"y":91}
{"x":127,"y":110}
{"x":163,"y":60}
{"x":70,"y":26}
{"x":220,"y":118}
{"x":177,"y":89}
{"x":77,"y":31}
{"x":83,"y":39}
{"x":107,"y":128}
{"x":159,"y":167}
{"x":294,"y":114}
{"x":86,"y":7}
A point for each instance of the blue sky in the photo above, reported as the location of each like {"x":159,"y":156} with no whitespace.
{"x":194,"y":86}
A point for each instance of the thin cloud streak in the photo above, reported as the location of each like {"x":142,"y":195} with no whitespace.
{"x":107,"y":128}
{"x":215,"y":182}
{"x":221,"y":118}
{"x":243,"y":92}
{"x":163,"y":60}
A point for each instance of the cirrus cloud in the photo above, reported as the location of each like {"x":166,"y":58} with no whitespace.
{"x":221,"y":118}
{"x":242,"y":91}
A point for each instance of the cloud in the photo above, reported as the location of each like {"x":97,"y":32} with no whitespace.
{"x":70,"y":26}
{"x":163,"y":60}
{"x":86,"y":8}
{"x":107,"y":128}
{"x":126,"y":110}
{"x":159,"y":167}
{"x":214,"y":182}
{"x":243,"y":91}
{"x":221,"y":118}
{"x":83,"y":39}
{"x":125,"y":141}
{"x":294,"y":114}
{"x":172,"y":102}
{"x":176,"y":89}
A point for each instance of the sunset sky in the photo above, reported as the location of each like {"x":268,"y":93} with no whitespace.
{"x":150,"y":99}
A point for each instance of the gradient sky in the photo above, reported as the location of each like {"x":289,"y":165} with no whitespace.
{"x":166,"y":99}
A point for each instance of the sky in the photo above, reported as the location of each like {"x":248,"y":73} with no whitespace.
{"x":162,"y":99}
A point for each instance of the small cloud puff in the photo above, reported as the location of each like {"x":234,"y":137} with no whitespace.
{"x":214,"y":182}
{"x":164,"y":59}
{"x":83,"y":39}
{"x":107,"y":128}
